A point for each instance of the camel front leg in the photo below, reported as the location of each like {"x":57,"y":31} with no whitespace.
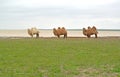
{"x":95,"y":35}
{"x":37,"y":35}
{"x":65,"y":36}
{"x":58,"y":36}
{"x":88,"y":36}
{"x":31,"y":35}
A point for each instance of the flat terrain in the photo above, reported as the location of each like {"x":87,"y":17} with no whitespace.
{"x":53,"y":57}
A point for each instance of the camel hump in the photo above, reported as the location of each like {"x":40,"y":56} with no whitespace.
{"x":59,"y":28}
{"x":94,"y":27}
{"x":89,"y":27}
{"x":35,"y":30}
{"x":63,"y":27}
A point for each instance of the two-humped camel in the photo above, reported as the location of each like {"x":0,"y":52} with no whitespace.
{"x":33,"y":31}
{"x":60,"y":31}
{"x":90,"y":31}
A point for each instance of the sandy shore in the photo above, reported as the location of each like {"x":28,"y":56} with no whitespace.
{"x":49,"y":33}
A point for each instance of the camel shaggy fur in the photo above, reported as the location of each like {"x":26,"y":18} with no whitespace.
{"x":90,"y":31}
{"x":33,"y":31}
{"x":60,"y":31}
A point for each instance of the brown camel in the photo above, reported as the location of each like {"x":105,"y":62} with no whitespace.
{"x":33,"y":31}
{"x":60,"y":31}
{"x":90,"y":31}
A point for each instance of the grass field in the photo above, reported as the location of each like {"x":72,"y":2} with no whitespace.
{"x":52,"y":57}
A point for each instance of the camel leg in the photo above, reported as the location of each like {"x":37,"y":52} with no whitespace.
{"x":37,"y":35}
{"x":58,"y":36}
{"x":32,"y":36}
{"x":88,"y":36}
{"x":65,"y":36}
{"x":95,"y":35}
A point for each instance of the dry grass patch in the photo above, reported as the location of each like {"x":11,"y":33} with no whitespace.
{"x":104,"y":71}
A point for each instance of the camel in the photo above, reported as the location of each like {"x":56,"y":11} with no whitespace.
{"x":33,"y":31}
{"x":60,"y":31}
{"x":90,"y":31}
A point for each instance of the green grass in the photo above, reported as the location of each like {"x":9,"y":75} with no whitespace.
{"x":72,"y":57}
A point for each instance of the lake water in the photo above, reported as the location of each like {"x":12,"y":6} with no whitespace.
{"x":49,"y":33}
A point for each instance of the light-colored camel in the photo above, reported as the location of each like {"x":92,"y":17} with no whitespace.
{"x":60,"y":31}
{"x":90,"y":31}
{"x":33,"y":31}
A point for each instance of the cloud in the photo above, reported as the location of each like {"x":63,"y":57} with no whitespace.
{"x":57,"y":3}
{"x":60,"y":12}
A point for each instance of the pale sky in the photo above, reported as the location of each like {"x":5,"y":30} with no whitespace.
{"x":47,"y":14}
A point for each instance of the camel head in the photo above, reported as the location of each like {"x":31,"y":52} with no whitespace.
{"x":29,"y":32}
{"x":54,"y":31}
{"x":84,"y":31}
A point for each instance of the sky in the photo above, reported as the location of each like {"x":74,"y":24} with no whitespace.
{"x":49,"y":14}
